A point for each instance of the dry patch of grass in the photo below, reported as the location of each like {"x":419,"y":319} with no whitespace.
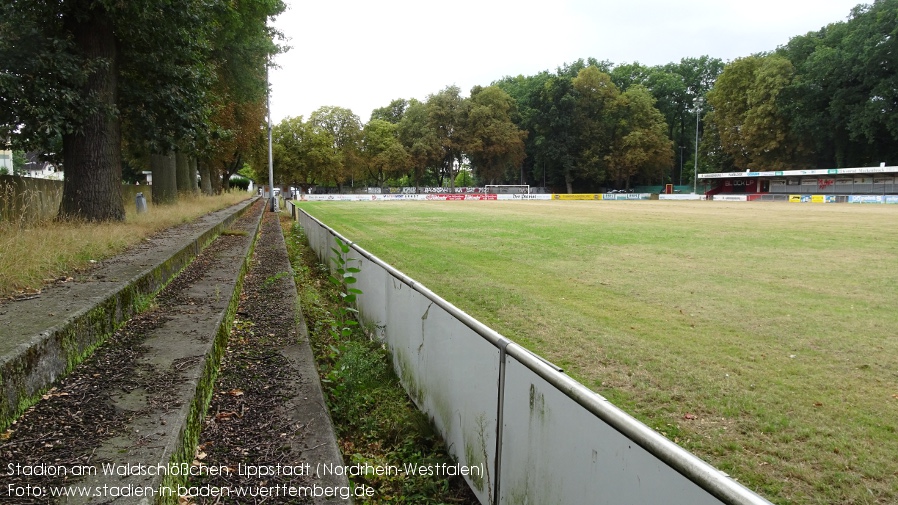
{"x":760,"y":336}
{"x":43,"y":252}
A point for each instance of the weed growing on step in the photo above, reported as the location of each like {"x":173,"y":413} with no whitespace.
{"x":270,"y":281}
{"x":375,"y":421}
{"x":343,"y":277}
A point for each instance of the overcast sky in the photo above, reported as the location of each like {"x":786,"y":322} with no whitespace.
{"x":361,"y":54}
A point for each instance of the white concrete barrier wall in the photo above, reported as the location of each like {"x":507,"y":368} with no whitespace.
{"x":547,"y":438}
{"x":450,"y":372}
{"x":556,"y":451}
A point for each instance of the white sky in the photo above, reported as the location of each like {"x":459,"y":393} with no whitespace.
{"x":361,"y":54}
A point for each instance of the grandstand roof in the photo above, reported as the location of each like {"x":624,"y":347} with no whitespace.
{"x":799,"y":173}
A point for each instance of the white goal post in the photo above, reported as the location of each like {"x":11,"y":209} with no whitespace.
{"x":508,"y":189}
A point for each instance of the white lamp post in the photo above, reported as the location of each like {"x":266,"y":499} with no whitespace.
{"x":681,"y":165}
{"x":698,"y":113}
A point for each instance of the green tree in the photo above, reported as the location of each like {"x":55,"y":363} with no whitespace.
{"x":749,"y":118}
{"x":445,"y":114}
{"x":492,"y":142}
{"x":556,"y":135}
{"x":19,"y":160}
{"x":640,"y":147}
{"x":382,"y":153}
{"x":241,"y":49}
{"x":345,"y":129}
{"x":630,"y":74}
{"x":420,"y":140}
{"x":525,"y":91}
{"x":699,"y":76}
{"x":304,"y":154}
{"x":392,"y":113}
{"x":595,"y":121}
{"x":843,"y":99}
{"x":94,"y":71}
{"x":464,"y":179}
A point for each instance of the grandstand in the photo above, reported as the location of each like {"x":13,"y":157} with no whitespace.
{"x":878,"y":184}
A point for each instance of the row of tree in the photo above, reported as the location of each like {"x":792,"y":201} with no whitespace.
{"x":418,"y":141}
{"x":102,"y":84}
{"x":105,"y":84}
{"x":593,"y":124}
{"x":587,"y":125}
{"x":826,"y":99}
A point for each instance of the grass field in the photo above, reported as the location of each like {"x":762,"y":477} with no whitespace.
{"x":763,"y":337}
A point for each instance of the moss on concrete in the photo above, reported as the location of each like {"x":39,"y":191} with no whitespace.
{"x":189,"y":438}
{"x":28,"y":375}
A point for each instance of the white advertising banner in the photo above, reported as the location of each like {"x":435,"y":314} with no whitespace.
{"x":541,"y":196}
{"x":663,"y":196}
{"x":865,"y":199}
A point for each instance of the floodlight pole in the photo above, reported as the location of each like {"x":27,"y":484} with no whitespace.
{"x":698,"y":113}
{"x":681,"y":165}
{"x":273,"y":200}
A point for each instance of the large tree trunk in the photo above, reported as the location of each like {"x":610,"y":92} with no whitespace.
{"x":182,"y":168}
{"x":192,"y":167}
{"x":452,"y":173}
{"x":92,"y":156}
{"x":165,"y":181}
{"x":225,"y":180}
{"x":215,"y":179}
{"x":206,"y":178}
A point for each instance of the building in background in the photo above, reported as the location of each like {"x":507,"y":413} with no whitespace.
{"x":6,"y":162}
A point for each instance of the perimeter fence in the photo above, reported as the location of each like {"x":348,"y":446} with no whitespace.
{"x":538,"y":435}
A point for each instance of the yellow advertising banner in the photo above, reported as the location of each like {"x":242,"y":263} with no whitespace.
{"x":583,"y":196}
{"x":795,"y":198}
{"x":817,"y":199}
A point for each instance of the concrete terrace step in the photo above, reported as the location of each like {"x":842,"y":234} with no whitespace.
{"x":163,"y":397}
{"x":44,"y":337}
{"x":268,"y":408}
{"x":123,"y":426}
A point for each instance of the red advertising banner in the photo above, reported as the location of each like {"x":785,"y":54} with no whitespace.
{"x":456,"y":196}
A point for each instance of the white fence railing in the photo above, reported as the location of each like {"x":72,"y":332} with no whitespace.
{"x":539,"y":436}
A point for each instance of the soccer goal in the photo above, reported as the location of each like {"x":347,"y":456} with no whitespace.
{"x":508,"y":189}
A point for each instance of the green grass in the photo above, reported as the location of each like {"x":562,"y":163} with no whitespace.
{"x":772,"y":325}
